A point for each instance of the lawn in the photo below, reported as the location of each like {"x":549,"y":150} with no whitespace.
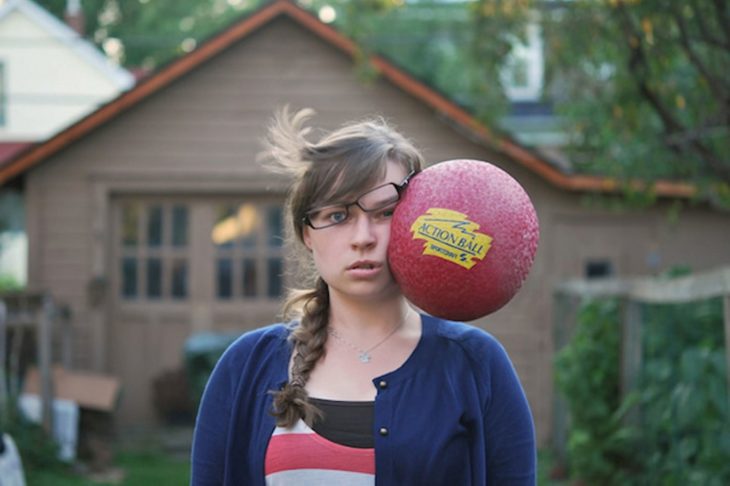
{"x":157,"y":469}
{"x":139,"y":469}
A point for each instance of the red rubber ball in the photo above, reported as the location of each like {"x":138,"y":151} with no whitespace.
{"x":463,"y":239}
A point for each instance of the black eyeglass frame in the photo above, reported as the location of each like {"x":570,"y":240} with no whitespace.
{"x":399,"y":189}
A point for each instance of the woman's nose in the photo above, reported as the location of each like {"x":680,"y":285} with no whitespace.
{"x":363,"y":230}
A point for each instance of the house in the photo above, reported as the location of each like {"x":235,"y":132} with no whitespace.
{"x":130,"y":210}
{"x":49,"y":77}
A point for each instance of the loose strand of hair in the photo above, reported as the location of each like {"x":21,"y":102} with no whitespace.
{"x":285,"y":144}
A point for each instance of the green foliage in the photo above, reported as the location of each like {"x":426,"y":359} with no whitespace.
{"x":587,"y":374}
{"x":9,"y":283}
{"x":154,"y":32}
{"x":680,"y":409}
{"x":644,"y":86}
{"x":684,"y":401}
{"x":37,"y":450}
{"x":438,"y":43}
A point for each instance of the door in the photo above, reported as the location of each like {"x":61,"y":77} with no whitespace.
{"x":182,"y":265}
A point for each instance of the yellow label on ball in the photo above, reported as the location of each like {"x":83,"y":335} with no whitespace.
{"x":451,"y":236}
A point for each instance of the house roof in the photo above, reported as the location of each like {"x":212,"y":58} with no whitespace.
{"x":65,"y":34}
{"x":388,"y":70}
{"x":11,"y":149}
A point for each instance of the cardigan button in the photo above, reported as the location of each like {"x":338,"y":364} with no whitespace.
{"x":383,"y":431}
{"x":383,"y":384}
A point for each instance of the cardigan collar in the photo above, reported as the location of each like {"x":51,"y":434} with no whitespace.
{"x":418,"y":359}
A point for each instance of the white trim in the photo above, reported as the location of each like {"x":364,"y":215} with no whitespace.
{"x":122,"y":78}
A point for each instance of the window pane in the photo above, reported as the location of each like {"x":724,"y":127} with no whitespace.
{"x":154,"y":226}
{"x":275,"y":226}
{"x":275,"y":277}
{"x":598,"y":269}
{"x":129,"y":277}
{"x":130,"y":224}
{"x":179,"y":279}
{"x":247,"y":216}
{"x":154,"y":278}
{"x":179,"y":226}
{"x":224,"y":231}
{"x":225,"y":278}
{"x":248,"y":274}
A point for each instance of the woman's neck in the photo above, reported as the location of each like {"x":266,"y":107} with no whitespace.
{"x":367,"y":318}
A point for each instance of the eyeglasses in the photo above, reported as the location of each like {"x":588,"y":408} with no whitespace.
{"x":376,"y":199}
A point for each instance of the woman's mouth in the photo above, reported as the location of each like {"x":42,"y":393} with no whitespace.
{"x":364,"y":268}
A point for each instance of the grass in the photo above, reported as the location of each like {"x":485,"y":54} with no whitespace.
{"x":545,"y":466}
{"x":141,"y":468}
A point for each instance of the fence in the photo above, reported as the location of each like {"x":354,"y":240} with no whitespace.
{"x":31,"y":317}
{"x":634,"y":293}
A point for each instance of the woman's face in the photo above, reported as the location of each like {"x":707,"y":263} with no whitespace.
{"x":352,"y":256}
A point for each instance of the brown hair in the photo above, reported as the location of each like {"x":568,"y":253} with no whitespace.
{"x":339,"y":165}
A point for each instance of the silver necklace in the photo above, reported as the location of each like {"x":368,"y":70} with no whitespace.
{"x":364,"y":354}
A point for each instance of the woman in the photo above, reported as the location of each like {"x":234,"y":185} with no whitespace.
{"x":359,"y":388}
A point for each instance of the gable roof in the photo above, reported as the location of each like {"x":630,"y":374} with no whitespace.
{"x":70,"y":38}
{"x":389,"y":71}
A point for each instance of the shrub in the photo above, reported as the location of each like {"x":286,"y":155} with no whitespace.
{"x":683,"y":431}
{"x":587,"y":374}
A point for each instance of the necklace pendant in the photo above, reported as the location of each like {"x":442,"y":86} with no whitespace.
{"x":364,"y":357}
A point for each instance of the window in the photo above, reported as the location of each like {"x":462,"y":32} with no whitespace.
{"x":154,"y":251}
{"x":248,"y":244}
{"x":523,"y":73}
{"x":598,"y":269}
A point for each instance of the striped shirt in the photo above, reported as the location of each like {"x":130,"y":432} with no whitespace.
{"x":300,"y":456}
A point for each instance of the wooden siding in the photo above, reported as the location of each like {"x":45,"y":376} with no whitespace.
{"x":199,"y":137}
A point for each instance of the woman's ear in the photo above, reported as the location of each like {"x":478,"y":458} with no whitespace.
{"x":307,"y":238}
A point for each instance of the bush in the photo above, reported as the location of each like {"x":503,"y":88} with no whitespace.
{"x":682,"y":432}
{"x":683,"y":396}
{"x":587,"y":374}
{"x":37,"y":450}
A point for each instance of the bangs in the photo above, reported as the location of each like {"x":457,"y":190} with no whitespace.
{"x":343,"y":181}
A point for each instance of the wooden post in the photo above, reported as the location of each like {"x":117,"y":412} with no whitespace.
{"x":630,"y":346}
{"x":726,"y":301}
{"x":45,"y":337}
{"x":631,"y":349}
{"x":4,"y":403}
{"x":66,"y":330}
{"x":563,"y":325}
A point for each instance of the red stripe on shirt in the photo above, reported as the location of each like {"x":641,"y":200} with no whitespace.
{"x":307,"y":451}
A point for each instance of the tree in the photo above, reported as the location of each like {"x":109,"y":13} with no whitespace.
{"x":644,"y":86}
{"x":641,"y":85}
{"x":149,"y":33}
{"x":437,"y":42}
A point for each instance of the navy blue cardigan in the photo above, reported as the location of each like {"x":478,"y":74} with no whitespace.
{"x":453,"y":414}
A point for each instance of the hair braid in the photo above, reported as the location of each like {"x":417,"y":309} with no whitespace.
{"x":292,"y":402}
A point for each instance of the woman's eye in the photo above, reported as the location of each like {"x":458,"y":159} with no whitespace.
{"x":337,"y":216}
{"x":386,"y":213}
